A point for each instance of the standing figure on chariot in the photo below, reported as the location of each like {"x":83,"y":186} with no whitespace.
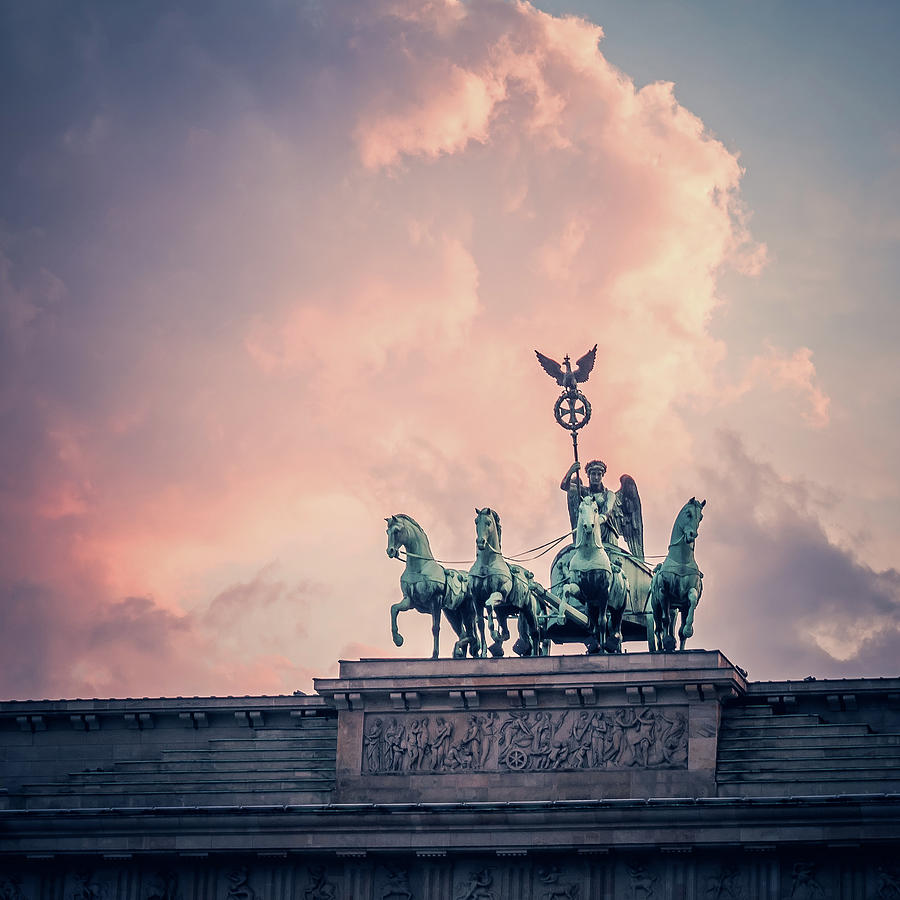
{"x":620,"y":511}
{"x":619,"y":516}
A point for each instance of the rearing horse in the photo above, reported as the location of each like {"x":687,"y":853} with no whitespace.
{"x":590,"y":575}
{"x":677,"y":581}
{"x":502,"y":590}
{"x":428,"y":588}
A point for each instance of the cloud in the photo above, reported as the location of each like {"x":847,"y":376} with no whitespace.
{"x":795,"y":373}
{"x":780,"y":597}
{"x":290,"y":283}
{"x":59,"y":641}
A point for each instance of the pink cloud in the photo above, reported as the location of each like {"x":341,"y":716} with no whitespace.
{"x":321,"y":311}
{"x":795,"y":374}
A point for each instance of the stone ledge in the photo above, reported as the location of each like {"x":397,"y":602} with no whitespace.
{"x":597,"y":825}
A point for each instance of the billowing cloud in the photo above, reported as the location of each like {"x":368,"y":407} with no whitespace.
{"x":775,"y":371}
{"x":780,"y":596}
{"x":264,"y":284}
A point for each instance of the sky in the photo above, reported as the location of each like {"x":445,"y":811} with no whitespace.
{"x":272,"y":272}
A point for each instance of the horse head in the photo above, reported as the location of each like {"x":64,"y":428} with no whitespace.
{"x":405,"y":531}
{"x":395,"y":537}
{"x":487,"y":529}
{"x":689,"y":519}
{"x":588,"y":522}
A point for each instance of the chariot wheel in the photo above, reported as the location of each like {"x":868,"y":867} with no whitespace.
{"x":516,"y":759}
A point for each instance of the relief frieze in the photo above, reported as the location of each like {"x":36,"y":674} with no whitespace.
{"x":525,"y":740}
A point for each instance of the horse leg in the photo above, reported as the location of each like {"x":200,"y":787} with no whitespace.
{"x":687,"y":616}
{"x":462,"y":624}
{"x":522,"y":646}
{"x":496,"y":649}
{"x":497,"y":623}
{"x":614,"y":637}
{"x":602,"y":628}
{"x":480,"y":639}
{"x":593,"y":614}
{"x":404,"y":605}
{"x":455,"y":620}
{"x":436,"y":628}
{"x":669,"y":613}
{"x":528,"y":643}
{"x":603,"y":611}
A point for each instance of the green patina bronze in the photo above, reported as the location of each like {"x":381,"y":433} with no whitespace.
{"x":677,"y":581}
{"x":429,"y":588}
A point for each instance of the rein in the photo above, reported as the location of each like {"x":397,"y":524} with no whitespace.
{"x":522,"y":556}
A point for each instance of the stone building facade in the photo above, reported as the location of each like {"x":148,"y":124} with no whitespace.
{"x":557,"y":778}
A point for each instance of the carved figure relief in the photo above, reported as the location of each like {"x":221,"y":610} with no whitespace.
{"x":520,"y":741}
{"x":556,"y":890}
{"x":10,"y":888}
{"x":888,"y":883}
{"x":320,"y":888}
{"x":87,"y":887}
{"x":397,"y":887}
{"x":160,"y":886}
{"x":642,"y":882}
{"x":240,"y":888}
{"x":725,"y":883}
{"x":804,"y":884}
{"x":479,"y":886}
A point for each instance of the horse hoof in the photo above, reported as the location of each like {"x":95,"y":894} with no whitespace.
{"x":496,"y":650}
{"x":522,"y":648}
{"x":398,"y":640}
{"x":668,"y":644}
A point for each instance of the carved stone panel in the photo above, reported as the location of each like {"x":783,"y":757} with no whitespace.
{"x":525,"y":741}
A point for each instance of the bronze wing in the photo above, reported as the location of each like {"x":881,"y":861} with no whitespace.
{"x":632,"y":521}
{"x":584,"y":365}
{"x":552,"y":367}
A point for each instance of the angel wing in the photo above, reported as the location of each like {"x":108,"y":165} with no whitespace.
{"x":584,"y":365}
{"x":631,"y":519}
{"x":552,"y":367}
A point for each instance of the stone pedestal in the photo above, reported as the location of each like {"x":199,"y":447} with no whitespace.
{"x":637,"y":725}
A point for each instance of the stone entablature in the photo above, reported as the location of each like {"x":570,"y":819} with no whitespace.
{"x":604,"y":850}
{"x":566,"y":727}
{"x":634,"y":776}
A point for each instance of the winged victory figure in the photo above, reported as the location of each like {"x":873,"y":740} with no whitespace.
{"x":623,"y":507}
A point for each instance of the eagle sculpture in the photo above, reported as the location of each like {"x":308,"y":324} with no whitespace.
{"x":567,"y":377}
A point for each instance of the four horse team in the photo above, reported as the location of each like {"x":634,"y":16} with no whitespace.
{"x":598,"y":590}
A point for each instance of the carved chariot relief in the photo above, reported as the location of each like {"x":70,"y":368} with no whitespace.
{"x":525,"y":741}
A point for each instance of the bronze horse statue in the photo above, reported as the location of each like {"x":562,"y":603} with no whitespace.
{"x":589,"y":574}
{"x":501,"y":590}
{"x":430,"y":588}
{"x":677,"y":582}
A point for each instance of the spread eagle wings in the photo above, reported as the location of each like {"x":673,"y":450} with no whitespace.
{"x":631,"y":520}
{"x":580,"y":373}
